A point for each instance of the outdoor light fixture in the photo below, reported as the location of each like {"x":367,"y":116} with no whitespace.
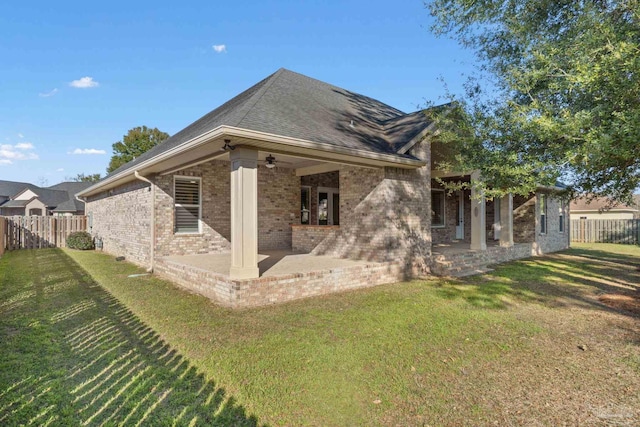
{"x":227,"y":145}
{"x":270,"y":162}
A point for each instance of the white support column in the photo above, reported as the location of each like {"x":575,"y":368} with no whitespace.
{"x":506,"y":220}
{"x":478,"y":217}
{"x":244,"y":213}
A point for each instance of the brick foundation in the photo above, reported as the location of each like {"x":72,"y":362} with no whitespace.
{"x":272,"y":290}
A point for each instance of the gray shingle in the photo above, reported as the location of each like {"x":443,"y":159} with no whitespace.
{"x":60,"y":196}
{"x":297,"y":106}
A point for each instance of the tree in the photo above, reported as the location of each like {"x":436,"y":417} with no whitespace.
{"x":565,"y":96}
{"x":94,"y":177}
{"x":137,"y":141}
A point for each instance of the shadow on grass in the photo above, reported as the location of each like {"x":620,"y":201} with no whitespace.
{"x":72,"y":354}
{"x":573,"y":277}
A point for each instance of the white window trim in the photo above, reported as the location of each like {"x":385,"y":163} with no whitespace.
{"x":543,"y":210}
{"x":444,"y":208}
{"x":308,"y":187}
{"x":561,"y":219}
{"x":187,"y":178}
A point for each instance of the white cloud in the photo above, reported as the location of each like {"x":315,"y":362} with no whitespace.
{"x":48,"y":94}
{"x":20,"y":135}
{"x":87,"y":151}
{"x":20,"y":151}
{"x":84,"y":83}
{"x":60,"y":170}
{"x":24,"y":146}
{"x":220,"y":48}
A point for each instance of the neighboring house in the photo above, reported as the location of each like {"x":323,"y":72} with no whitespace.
{"x":21,"y":198}
{"x":601,"y":208}
{"x":294,"y":164}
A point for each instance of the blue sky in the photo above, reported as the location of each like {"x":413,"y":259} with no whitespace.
{"x":76,"y":76}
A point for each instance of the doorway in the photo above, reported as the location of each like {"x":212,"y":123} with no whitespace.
{"x":328,"y":206}
{"x":460,"y":216}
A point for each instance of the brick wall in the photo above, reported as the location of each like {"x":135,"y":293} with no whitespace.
{"x":279,"y":289}
{"x":524,"y":219}
{"x":306,"y":237}
{"x":216,"y":212}
{"x":553,"y":240}
{"x":447,"y":233}
{"x":278,"y":207}
{"x":278,"y":199}
{"x":121,"y":217}
{"x":385,"y":216}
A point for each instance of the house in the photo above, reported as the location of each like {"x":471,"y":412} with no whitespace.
{"x":602,"y":208}
{"x":21,"y":198}
{"x":296,"y":188}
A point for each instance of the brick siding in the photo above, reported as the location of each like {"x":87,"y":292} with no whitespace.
{"x":122,"y":219}
{"x":306,"y":237}
{"x":385,"y":216}
{"x":273,"y":290}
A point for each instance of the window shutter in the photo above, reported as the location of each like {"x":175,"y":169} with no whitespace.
{"x":187,"y":205}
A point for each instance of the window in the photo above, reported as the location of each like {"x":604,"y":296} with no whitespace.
{"x":561,"y":217}
{"x":437,"y":208}
{"x":543,"y":213}
{"x":305,"y":205}
{"x":187,"y":205}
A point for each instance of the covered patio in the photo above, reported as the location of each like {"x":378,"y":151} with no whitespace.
{"x":270,"y":263}
{"x":284,"y":275}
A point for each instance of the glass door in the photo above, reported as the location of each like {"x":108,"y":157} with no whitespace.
{"x":328,"y":206}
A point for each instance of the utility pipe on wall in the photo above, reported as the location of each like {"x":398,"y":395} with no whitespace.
{"x":153,"y":219}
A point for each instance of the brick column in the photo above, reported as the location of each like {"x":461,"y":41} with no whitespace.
{"x":244,"y":213}
{"x":506,"y":220}
{"x":478,"y":216}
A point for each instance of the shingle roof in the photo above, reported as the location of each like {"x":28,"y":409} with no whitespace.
{"x":582,"y":204}
{"x":11,"y":188}
{"x":60,"y":196}
{"x":72,"y":188}
{"x":293,"y":105}
{"x":15,"y":203}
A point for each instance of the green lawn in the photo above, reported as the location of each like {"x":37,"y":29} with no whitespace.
{"x":530,"y":343}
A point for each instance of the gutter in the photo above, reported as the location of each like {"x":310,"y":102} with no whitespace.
{"x":152,"y":249}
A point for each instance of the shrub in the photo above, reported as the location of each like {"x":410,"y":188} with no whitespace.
{"x":80,"y":240}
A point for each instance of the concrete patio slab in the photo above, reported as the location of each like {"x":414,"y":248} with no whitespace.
{"x":270,"y":263}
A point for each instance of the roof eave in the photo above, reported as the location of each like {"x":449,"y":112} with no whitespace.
{"x":328,"y":151}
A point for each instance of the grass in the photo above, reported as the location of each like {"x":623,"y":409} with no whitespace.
{"x":531,"y":343}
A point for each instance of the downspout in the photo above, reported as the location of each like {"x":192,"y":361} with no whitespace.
{"x":82,"y":201}
{"x":153,"y":219}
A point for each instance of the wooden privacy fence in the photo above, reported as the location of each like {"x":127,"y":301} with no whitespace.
{"x":35,"y":232}
{"x":625,"y":231}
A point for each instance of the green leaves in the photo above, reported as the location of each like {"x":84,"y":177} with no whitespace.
{"x":137,"y":141}
{"x":566,"y":103}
